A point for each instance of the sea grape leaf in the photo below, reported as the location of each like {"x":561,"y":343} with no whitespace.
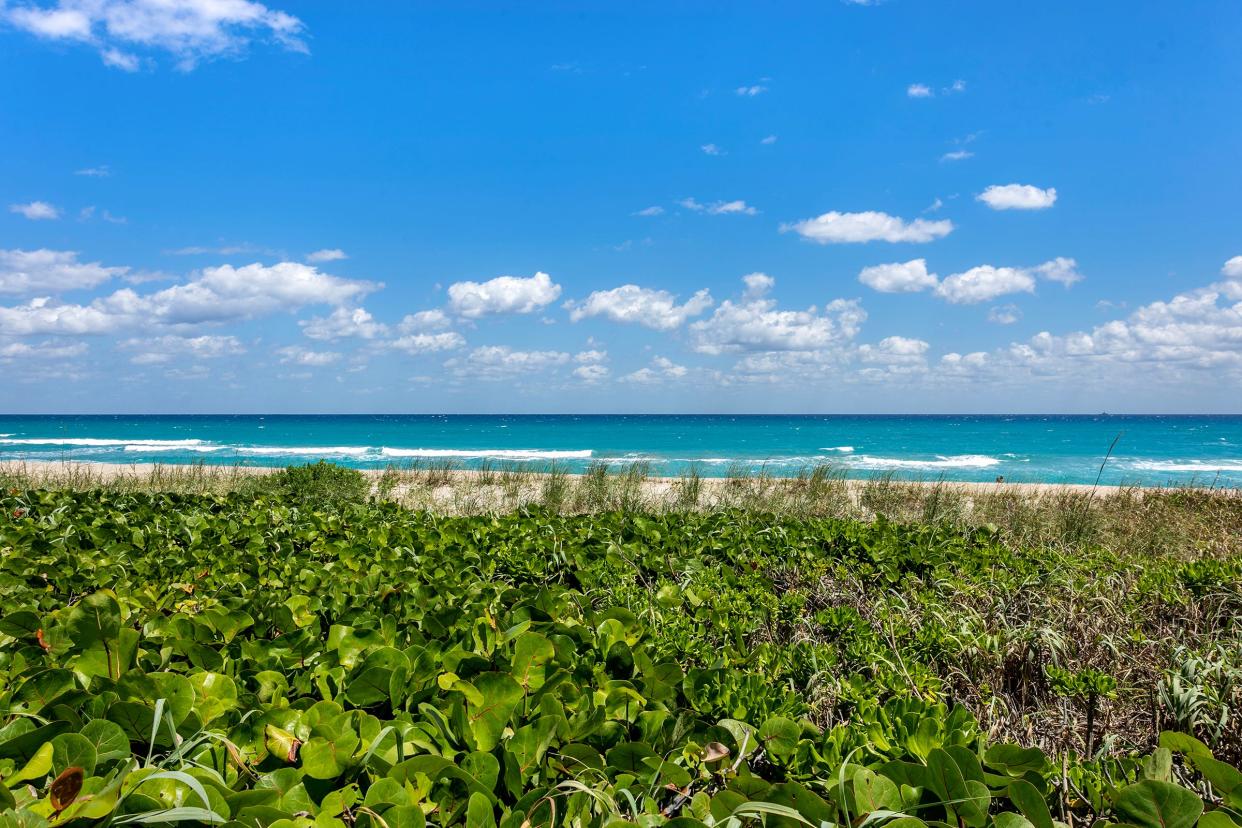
{"x":1030,"y":802}
{"x":1154,"y":804}
{"x":779,"y":736}
{"x":96,"y":618}
{"x":70,"y":750}
{"x":214,"y":695}
{"x":873,"y":792}
{"x":531,"y":654}
{"x":488,"y":717}
{"x":108,"y":739}
{"x":1014,"y":760}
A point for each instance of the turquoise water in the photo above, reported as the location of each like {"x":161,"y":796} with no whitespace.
{"x":1047,"y":449}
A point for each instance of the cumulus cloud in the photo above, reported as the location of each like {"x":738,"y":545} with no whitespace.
{"x":1018,"y":197}
{"x":654,"y":210}
{"x":297,"y":355}
{"x":1004,"y":314}
{"x":661,"y":369}
{"x":979,"y":284}
{"x":36,"y":210}
{"x":847,"y":228}
{"x":428,"y":320}
{"x":893,"y":355}
{"x":768,"y":140}
{"x":756,"y":324}
{"x":102,"y":171}
{"x":655,"y":309}
{"x":499,"y":362}
{"x":189,"y":30}
{"x":504,"y":294}
{"x":426,"y":343}
{"x":1233,"y":268}
{"x":344,"y":323}
{"x":214,"y":294}
{"x":24,"y":351}
{"x":50,"y":271}
{"x":328,"y":254}
{"x":1199,"y":330}
{"x":162,"y":349}
{"x":919,"y":90}
{"x":751,"y":91}
{"x":898,"y":277}
{"x":712,"y":149}
{"x":591,"y":373}
{"x":1060,"y":269}
{"x":957,"y":155}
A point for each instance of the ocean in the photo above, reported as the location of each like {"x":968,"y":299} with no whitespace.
{"x":1149,"y":450}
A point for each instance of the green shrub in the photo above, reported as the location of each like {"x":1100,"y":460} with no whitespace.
{"x":319,"y":485}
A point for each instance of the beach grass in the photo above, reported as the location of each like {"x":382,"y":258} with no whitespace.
{"x":1139,"y":520}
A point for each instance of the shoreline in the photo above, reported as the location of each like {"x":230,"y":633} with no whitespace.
{"x":107,"y":472}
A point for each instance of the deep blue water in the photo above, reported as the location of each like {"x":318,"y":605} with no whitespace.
{"x":1056,"y":449}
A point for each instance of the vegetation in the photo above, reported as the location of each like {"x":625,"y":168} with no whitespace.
{"x":291,"y":653}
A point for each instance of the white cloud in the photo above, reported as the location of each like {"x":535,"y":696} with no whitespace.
{"x":36,"y":210}
{"x":724,"y":208}
{"x":190,"y":30}
{"x":755,"y":324}
{"x":712,"y":149}
{"x":898,"y":277}
{"x":45,"y":350}
{"x":101,"y":171}
{"x":894,"y":355}
{"x":770,"y":139}
{"x":719,"y":208}
{"x":757,"y":285}
{"x":751,"y":91}
{"x":344,"y":323}
{"x":1200,"y":330}
{"x":426,"y":343}
{"x":979,"y":284}
{"x":661,"y":368}
{"x":846,"y":228}
{"x":1233,"y":268}
{"x":919,"y":90}
{"x":655,"y":309}
{"x":591,"y":373}
{"x":158,"y":350}
{"x":1060,"y":269}
{"x":1004,"y":314}
{"x":504,"y":294}
{"x":428,"y":320}
{"x":1018,"y":197}
{"x":50,"y":271}
{"x":216,"y":294}
{"x":499,"y":362}
{"x":297,"y":355}
{"x":328,"y":254}
{"x":654,"y":210}
{"x":957,"y":155}
{"x":958,"y":85}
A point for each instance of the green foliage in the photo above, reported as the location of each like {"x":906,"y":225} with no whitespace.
{"x":301,"y":657}
{"x":319,"y":485}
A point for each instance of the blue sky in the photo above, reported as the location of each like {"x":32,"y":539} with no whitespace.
{"x":833,"y":207}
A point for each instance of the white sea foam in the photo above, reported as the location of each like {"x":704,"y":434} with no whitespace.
{"x":842,"y":449}
{"x":158,"y":447}
{"x":955,"y":461}
{"x":1203,"y":466}
{"x":304,"y":451}
{"x":96,"y":442}
{"x":501,"y":454}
